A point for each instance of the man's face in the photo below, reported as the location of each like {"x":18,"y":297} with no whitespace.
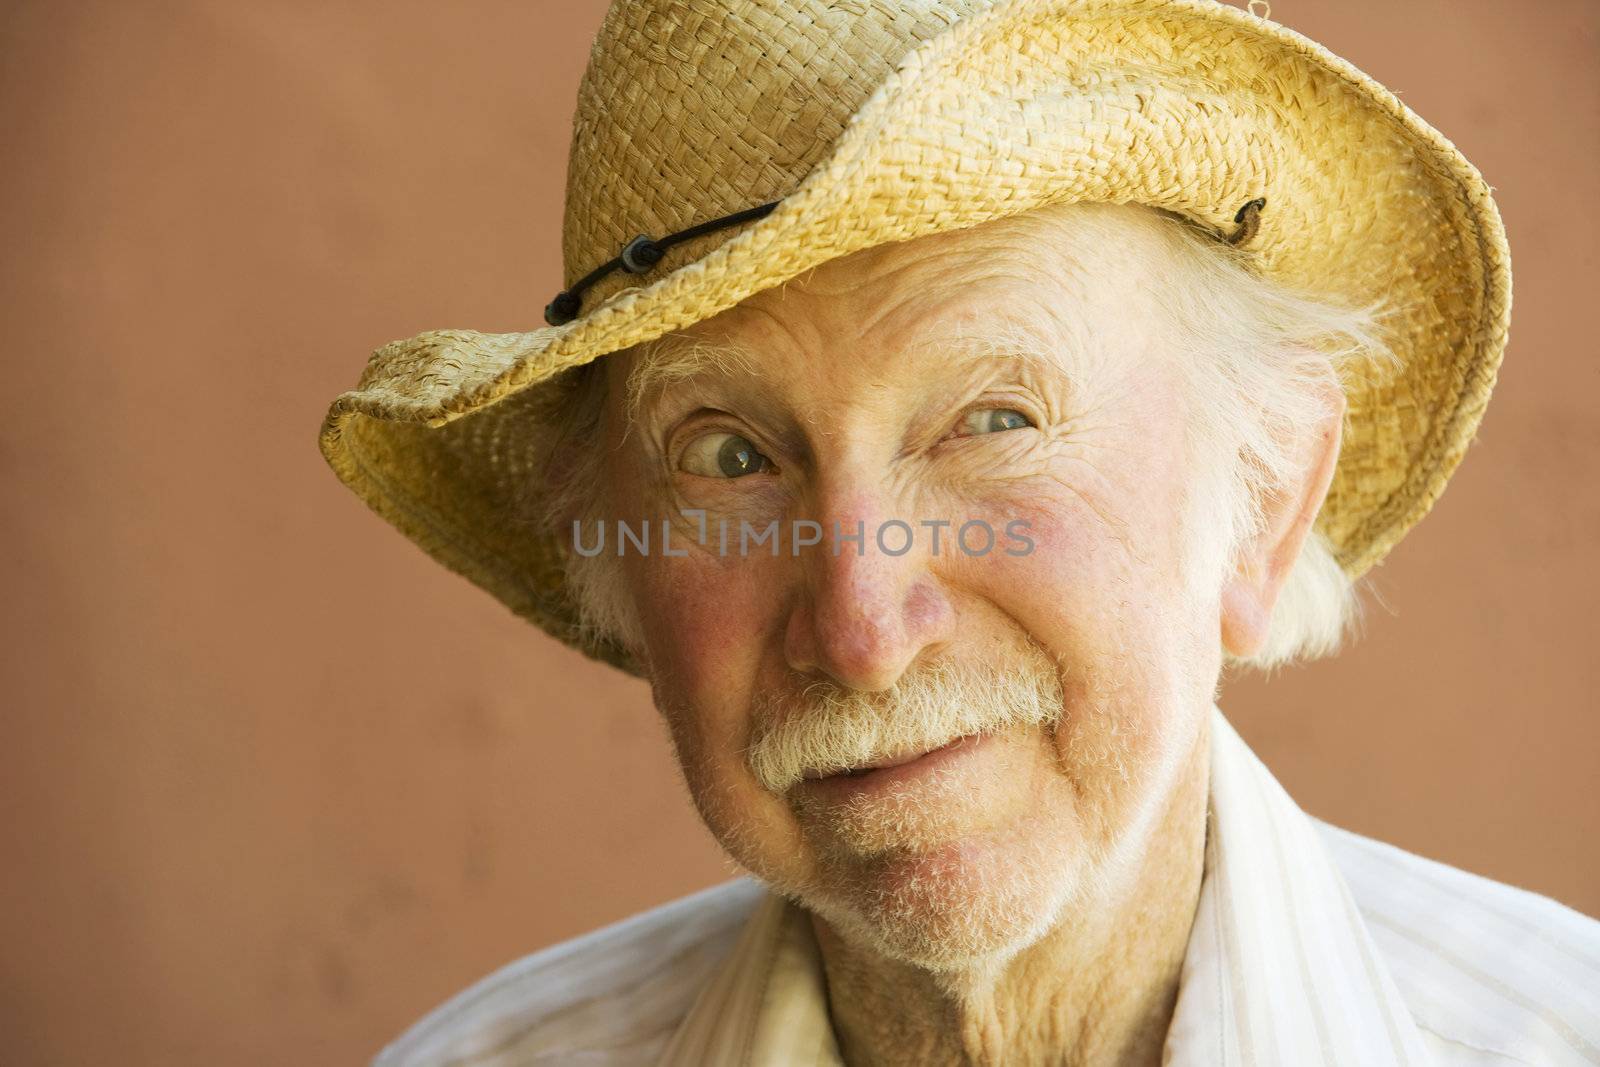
{"x":983,"y":375}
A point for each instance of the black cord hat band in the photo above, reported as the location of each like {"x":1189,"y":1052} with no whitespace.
{"x":642,"y":253}
{"x":639,"y":256}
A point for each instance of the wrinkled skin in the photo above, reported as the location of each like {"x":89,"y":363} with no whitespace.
{"x":1030,"y":901}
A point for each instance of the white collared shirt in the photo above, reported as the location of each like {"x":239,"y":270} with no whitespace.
{"x":1311,"y":945}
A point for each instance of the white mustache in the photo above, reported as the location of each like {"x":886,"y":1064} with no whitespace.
{"x":831,"y":729}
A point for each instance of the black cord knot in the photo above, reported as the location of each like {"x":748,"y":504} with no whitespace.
{"x":1249,"y":221}
{"x":563,"y":309}
{"x":640,"y":254}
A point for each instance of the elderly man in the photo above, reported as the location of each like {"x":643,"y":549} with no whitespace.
{"x":980,"y":379}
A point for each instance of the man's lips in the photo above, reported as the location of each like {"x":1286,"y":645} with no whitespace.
{"x":879,"y":764}
{"x":888,"y":762}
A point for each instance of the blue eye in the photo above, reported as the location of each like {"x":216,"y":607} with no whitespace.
{"x":723,"y":455}
{"x":994,"y":420}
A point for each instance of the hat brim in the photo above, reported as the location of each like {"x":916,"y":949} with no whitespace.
{"x":1185,"y":105}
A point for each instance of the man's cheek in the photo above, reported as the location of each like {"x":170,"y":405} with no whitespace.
{"x":702,"y":622}
{"x":1049,"y":585}
{"x":753,"y":826}
{"x":705,"y":635}
{"x":709,"y":738}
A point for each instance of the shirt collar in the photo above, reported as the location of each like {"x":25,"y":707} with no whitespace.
{"x":1280,"y":967}
{"x":766,"y":1005}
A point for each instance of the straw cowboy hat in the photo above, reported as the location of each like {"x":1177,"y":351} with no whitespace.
{"x":746,"y":141}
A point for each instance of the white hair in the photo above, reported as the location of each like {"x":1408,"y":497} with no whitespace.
{"x":567,"y":493}
{"x":1261,"y":358}
{"x":1256,"y":357}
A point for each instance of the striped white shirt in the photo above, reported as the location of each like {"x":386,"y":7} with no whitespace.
{"x":1311,"y":945}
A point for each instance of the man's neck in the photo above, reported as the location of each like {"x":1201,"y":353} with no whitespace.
{"x":1099,"y":988}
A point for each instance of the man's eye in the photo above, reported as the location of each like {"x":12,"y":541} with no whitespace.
{"x":993,"y":420}
{"x":723,"y":455}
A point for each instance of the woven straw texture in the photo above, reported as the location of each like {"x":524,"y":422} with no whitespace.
{"x":877,"y":121}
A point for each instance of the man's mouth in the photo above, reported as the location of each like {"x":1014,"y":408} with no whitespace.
{"x":887,"y":763}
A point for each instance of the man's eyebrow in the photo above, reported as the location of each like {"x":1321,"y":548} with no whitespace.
{"x":676,"y":358}
{"x":1001,"y":342}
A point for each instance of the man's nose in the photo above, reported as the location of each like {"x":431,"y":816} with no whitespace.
{"x":865,"y":615}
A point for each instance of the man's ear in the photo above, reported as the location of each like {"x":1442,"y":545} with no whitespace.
{"x":1261,"y":567}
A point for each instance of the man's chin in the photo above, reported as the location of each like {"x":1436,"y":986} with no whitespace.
{"x":966,"y":904}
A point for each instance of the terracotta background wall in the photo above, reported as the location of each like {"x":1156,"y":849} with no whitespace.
{"x":272,"y":784}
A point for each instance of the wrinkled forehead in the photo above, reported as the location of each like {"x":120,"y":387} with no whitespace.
{"x":1059,"y":288}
